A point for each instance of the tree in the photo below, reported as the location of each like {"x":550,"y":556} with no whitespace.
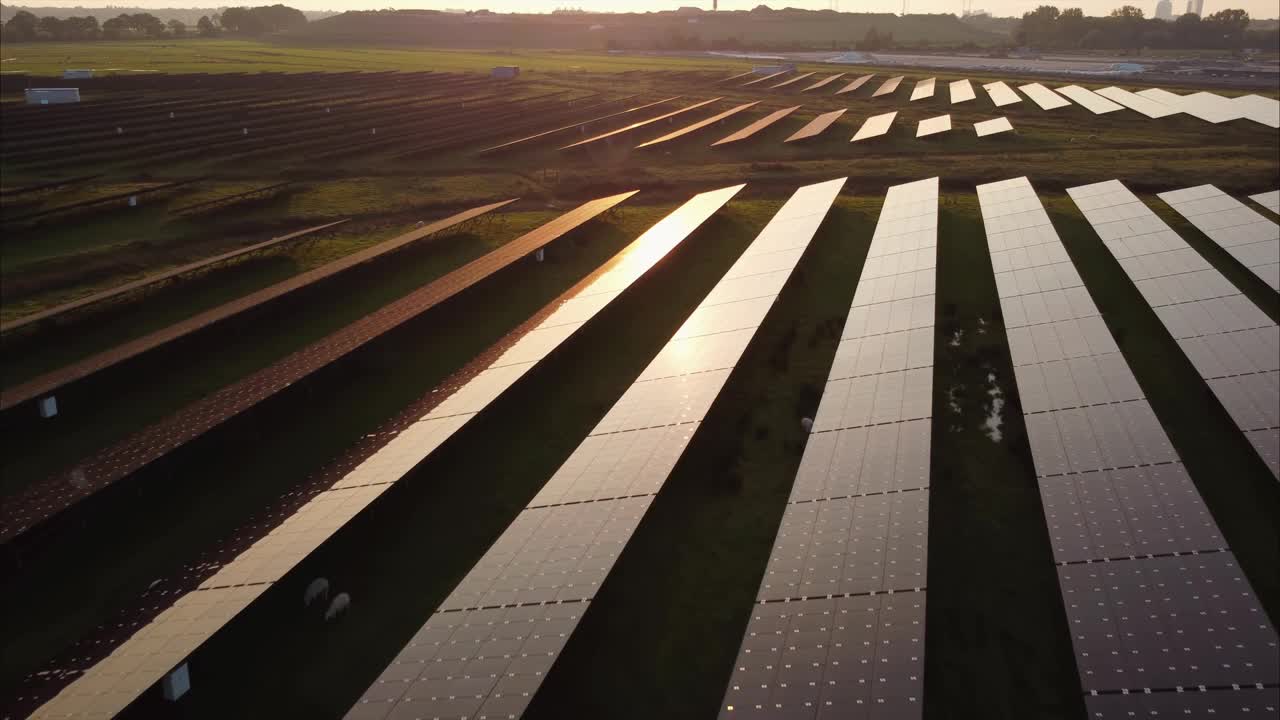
{"x":1038,"y":27}
{"x":21,"y":27}
{"x":205,"y":27}
{"x":49,"y":28}
{"x":1127,"y":12}
{"x":1072,"y":27}
{"x":177,"y":28}
{"x":148,"y":25}
{"x":1225,"y":28}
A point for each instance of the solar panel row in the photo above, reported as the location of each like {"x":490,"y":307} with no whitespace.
{"x":550,"y":562}
{"x":838,"y":625}
{"x":1001,"y":94}
{"x":156,"y":279}
{"x":888,"y":87}
{"x":792,"y":81}
{"x":109,"y":685}
{"x":992,"y":127}
{"x":855,"y":84}
{"x":756,"y":126}
{"x":608,"y":136}
{"x":1268,"y":200}
{"x":766,"y":78}
{"x":1136,"y":102}
{"x":923,"y":89}
{"x":875,"y":126}
{"x":1232,"y":344}
{"x":816,"y":126}
{"x":824,"y":82}
{"x":694,"y":127}
{"x":1090,"y":100}
{"x":1241,"y":231}
{"x":1044,"y":97}
{"x":933,"y":126}
{"x":1154,"y":599}
{"x":962,"y":91}
{"x":581,"y":124}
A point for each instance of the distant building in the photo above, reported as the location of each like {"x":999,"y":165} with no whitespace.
{"x":505,"y":72}
{"x":773,"y":69}
{"x":77,"y":74}
{"x":1164,"y":10}
{"x":52,"y":96}
{"x":1196,"y":6}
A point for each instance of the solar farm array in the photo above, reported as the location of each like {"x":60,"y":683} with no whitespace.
{"x":839,"y":622}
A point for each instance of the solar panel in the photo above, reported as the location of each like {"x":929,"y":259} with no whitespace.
{"x":1263,"y":110}
{"x":1091,"y":101}
{"x":756,"y":126}
{"x":574,"y":126}
{"x":888,"y":87}
{"x":1233,"y":344}
{"x":992,"y":127}
{"x":816,"y":126}
{"x":855,"y":84}
{"x":1001,"y":94}
{"x":1246,"y":235}
{"x":1136,"y":102}
{"x":838,"y":625}
{"x":159,"y":278}
{"x":1205,"y":106}
{"x":824,"y":82}
{"x":52,"y":381}
{"x":766,"y":78}
{"x":1268,"y":200}
{"x":933,"y":126}
{"x":792,"y":81}
{"x":1152,"y":593}
{"x":1044,"y":97}
{"x":923,"y":89}
{"x":962,"y":91}
{"x":147,"y":655}
{"x":737,"y":76}
{"x":1247,"y":702}
{"x":706,"y":122}
{"x":637,"y":125}
{"x":554,"y":557}
{"x":875,"y":126}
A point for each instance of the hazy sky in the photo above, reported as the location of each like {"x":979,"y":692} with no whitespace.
{"x":1256,"y":8}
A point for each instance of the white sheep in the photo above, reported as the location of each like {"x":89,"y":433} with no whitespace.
{"x":341,"y":602}
{"x":806,"y":424}
{"x":317,"y":590}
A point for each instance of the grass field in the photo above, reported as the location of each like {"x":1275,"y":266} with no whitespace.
{"x":660,"y":637}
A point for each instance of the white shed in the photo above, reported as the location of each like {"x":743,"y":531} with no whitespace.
{"x":505,"y":72}
{"x":77,"y":74}
{"x":52,"y":96}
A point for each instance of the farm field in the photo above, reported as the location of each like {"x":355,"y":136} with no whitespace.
{"x":293,"y":145}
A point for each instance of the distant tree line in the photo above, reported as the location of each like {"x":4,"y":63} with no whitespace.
{"x":1126,"y":28}
{"x":26,"y":27}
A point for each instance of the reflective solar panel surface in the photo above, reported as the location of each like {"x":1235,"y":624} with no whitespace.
{"x":1001,"y":94}
{"x":549,"y":563}
{"x":933,"y":126}
{"x":888,"y":86}
{"x":817,"y":125}
{"x":115,"y":681}
{"x":992,"y":127}
{"x":824,"y":82}
{"x":838,"y":626}
{"x":1232,"y":344}
{"x":1263,"y":110}
{"x":694,"y":127}
{"x":642,"y":123}
{"x":923,"y":89}
{"x":766,"y":78}
{"x":854,"y":84}
{"x":1268,"y":200}
{"x":756,"y":126}
{"x":531,"y":138}
{"x":962,"y":91}
{"x":1235,"y":227}
{"x":1153,"y":596}
{"x":875,"y":126}
{"x":1090,"y":100}
{"x":1136,"y":102}
{"x":1206,"y":106}
{"x":792,"y":81}
{"x":1044,"y":97}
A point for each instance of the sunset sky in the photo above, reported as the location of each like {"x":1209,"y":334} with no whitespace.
{"x":1256,"y":8}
